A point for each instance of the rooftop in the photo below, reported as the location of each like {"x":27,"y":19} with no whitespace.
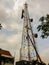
{"x":5,"y":52}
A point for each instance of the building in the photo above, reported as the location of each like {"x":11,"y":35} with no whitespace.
{"x":6,"y":58}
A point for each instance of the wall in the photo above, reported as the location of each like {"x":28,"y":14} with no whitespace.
{"x":8,"y":64}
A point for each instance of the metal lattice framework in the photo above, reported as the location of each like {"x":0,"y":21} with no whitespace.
{"x":28,"y":49}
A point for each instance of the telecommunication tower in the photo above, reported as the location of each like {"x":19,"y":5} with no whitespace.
{"x":28,"y":51}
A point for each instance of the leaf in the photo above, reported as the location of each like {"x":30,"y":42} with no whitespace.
{"x":41,"y":19}
{"x":44,"y":26}
{"x":39,"y":27}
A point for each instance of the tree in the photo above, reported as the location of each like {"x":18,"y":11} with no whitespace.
{"x":44,"y":26}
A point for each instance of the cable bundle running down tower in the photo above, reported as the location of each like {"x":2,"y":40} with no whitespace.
{"x":28,"y":51}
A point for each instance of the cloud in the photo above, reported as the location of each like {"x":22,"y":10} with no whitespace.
{"x":11,"y":43}
{"x":3,"y":14}
{"x":10,"y":17}
{"x":37,"y":8}
{"x":12,"y":39}
{"x":9,"y":21}
{"x":45,"y":55}
{"x":19,"y":4}
{"x":8,"y":3}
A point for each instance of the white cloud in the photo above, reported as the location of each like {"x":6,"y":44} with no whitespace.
{"x":11,"y":42}
{"x":7,"y":3}
{"x":10,"y":13}
{"x":2,"y":37}
{"x":45,"y":55}
{"x":14,"y":39}
{"x":38,"y":8}
{"x":19,"y":4}
{"x":3,"y":14}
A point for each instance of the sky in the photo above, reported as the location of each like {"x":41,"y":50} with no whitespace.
{"x":12,"y":25}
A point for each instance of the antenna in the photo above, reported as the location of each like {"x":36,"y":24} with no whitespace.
{"x":0,"y":26}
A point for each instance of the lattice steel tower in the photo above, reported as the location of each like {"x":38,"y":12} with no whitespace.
{"x":28,"y":49}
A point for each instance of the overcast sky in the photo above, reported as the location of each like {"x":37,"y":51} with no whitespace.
{"x":10,"y":18}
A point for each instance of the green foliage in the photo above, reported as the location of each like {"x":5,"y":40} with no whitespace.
{"x":44,"y":26}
